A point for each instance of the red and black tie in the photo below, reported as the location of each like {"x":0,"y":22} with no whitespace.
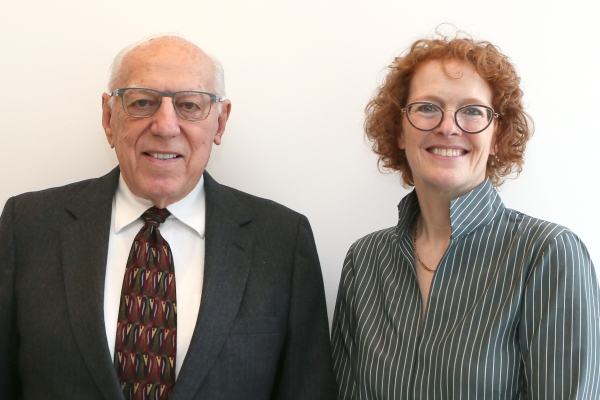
{"x":146,"y":342}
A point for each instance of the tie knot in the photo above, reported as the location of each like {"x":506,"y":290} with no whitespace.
{"x":155,"y":216}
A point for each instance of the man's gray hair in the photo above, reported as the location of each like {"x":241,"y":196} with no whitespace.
{"x":115,"y":69}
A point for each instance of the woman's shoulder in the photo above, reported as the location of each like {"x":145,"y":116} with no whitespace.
{"x":374,"y":251}
{"x":536,"y":228}
{"x":383,"y":238}
{"x":537,"y":234}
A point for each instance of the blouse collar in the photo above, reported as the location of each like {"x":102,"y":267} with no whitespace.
{"x":472,"y":210}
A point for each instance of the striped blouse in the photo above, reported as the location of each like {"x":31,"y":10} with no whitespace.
{"x":513,"y":311}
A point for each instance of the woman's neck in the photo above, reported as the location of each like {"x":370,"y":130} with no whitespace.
{"x":434,"y":222}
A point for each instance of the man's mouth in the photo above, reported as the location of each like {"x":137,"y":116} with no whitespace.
{"x":161,"y":156}
{"x":447,"y":152}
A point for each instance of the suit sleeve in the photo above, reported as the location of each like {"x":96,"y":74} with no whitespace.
{"x":343,"y":330}
{"x":559,"y":329}
{"x":9,"y":380}
{"x":305,"y":368}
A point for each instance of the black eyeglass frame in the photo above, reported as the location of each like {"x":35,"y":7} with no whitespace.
{"x":495,"y":115}
{"x":119,"y":92}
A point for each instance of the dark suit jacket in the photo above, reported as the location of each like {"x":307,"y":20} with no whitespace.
{"x":262,"y":330}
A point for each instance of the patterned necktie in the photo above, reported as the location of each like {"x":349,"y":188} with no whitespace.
{"x":147,"y":327}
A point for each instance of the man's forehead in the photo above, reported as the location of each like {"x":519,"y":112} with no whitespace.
{"x":166,"y":44}
{"x":169,"y":58}
{"x":165,"y":49}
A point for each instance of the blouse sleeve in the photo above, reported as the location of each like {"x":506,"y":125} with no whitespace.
{"x":559,"y":329}
{"x":342,"y":338}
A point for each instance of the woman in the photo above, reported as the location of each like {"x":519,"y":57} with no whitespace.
{"x":463,"y":298}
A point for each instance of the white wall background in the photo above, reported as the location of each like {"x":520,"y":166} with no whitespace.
{"x":299,"y":75}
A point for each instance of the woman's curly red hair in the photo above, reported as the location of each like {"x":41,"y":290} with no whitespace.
{"x":515,"y":127}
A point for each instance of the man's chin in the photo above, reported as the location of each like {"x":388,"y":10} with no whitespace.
{"x":163,"y":192}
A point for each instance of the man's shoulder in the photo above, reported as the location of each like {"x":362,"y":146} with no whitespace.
{"x":261,"y":206}
{"x":268,"y":219}
{"x":234,"y":200}
{"x":54,"y":193}
{"x":61,"y":196}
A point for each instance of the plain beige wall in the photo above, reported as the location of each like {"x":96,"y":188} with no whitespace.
{"x":299,"y":75}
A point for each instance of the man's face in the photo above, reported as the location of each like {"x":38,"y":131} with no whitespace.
{"x":162,"y":157}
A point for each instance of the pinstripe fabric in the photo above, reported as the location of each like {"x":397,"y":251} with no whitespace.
{"x":513,"y":311}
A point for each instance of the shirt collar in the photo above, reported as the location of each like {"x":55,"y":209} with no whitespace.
{"x":467,"y":213}
{"x":191,"y":210}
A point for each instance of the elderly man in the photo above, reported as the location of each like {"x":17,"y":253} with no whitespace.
{"x":154,"y":281}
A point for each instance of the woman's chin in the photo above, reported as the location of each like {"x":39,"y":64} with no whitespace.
{"x":451,"y":182}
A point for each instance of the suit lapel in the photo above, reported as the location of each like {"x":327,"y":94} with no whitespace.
{"x":228,"y":255}
{"x":84,"y":248}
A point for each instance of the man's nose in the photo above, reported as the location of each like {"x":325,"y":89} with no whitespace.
{"x":166,"y":121}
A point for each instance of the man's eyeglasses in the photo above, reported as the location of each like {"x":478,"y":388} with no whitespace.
{"x":190,"y":105}
{"x":472,"y":118}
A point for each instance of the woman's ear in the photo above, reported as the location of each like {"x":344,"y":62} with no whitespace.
{"x":401,"y":143}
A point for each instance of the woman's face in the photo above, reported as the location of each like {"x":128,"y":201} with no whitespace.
{"x":446,"y":159}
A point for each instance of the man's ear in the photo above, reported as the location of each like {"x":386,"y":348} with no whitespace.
{"x":106,"y":117}
{"x":222,"y":120}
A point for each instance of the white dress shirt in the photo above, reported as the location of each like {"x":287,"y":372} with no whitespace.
{"x":184,"y":231}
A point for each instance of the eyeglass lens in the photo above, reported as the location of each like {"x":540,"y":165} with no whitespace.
{"x":141,"y":103}
{"x":427,"y":116}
